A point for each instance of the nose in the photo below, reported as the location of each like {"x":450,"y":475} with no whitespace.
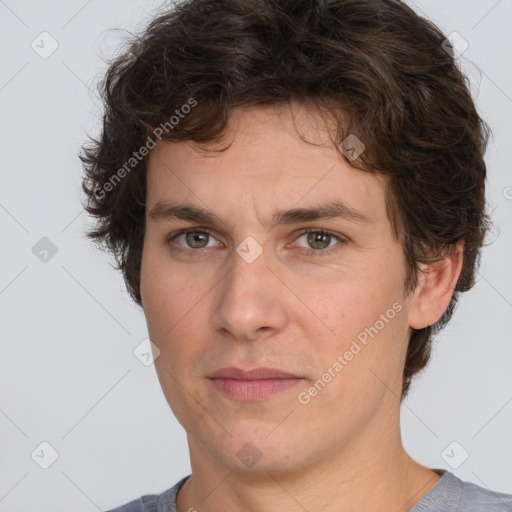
{"x":252,"y":301}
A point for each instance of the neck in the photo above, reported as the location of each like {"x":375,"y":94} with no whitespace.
{"x":371,"y":474}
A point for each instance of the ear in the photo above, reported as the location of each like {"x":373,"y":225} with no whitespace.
{"x":435,"y":288}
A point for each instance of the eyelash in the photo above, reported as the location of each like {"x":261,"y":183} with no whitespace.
{"x":309,"y":252}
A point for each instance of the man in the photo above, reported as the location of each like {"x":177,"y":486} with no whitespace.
{"x":294,"y":191}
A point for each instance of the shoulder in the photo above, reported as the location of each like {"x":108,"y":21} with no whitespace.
{"x":451,"y":494}
{"x":146,"y":503}
{"x":475,"y":498}
{"x":164,"y":502}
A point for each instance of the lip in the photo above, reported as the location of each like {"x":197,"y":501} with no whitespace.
{"x":252,"y":385}
{"x":254,"y":374}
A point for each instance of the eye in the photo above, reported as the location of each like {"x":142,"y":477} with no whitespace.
{"x":319,"y":241}
{"x":194,"y":239}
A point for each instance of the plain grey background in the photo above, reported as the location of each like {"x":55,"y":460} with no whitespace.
{"x":68,"y":330}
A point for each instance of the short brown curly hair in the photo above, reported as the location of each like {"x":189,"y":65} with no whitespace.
{"x":385,"y":73}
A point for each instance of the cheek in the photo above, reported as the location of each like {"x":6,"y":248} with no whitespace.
{"x":163,"y":286}
{"x":175,"y":304}
{"x":355,"y":300}
{"x":366,"y":315}
{"x":165,"y":297}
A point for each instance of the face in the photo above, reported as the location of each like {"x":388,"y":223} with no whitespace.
{"x":273,"y":254}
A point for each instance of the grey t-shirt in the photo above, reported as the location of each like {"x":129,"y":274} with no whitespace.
{"x":450,"y":494}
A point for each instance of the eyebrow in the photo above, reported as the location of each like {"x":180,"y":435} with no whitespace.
{"x":165,"y":210}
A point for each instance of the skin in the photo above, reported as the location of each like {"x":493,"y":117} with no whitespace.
{"x":208,"y":308}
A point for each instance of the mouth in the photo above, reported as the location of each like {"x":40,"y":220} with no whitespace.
{"x":252,"y":385}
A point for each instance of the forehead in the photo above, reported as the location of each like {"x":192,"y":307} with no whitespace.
{"x":277,"y":157}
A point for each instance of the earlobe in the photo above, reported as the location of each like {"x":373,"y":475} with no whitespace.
{"x":435,"y":288}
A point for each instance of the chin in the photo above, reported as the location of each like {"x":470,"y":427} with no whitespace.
{"x":264,"y":450}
